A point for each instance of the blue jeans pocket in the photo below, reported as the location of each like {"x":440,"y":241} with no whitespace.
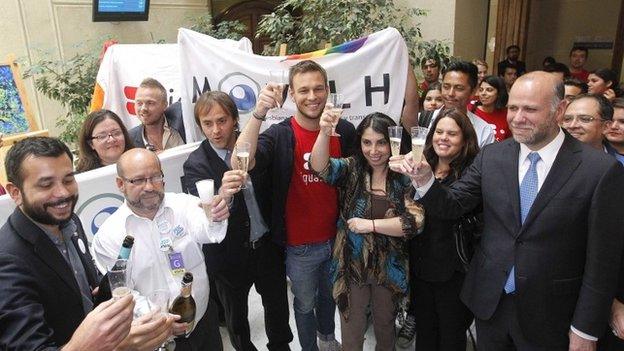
{"x":299,"y":250}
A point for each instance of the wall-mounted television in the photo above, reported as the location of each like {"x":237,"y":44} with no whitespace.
{"x":120,"y":10}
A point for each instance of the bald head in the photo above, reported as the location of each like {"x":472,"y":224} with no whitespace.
{"x":544,"y":81}
{"x":535,"y":106}
{"x":137,"y":158}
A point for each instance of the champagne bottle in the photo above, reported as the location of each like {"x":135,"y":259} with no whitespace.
{"x":104,"y":291}
{"x":184,"y":304}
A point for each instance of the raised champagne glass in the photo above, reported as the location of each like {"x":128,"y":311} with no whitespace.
{"x":419,"y":135}
{"x":395,"y":133}
{"x":242,"y":154}
{"x":205,"y":191}
{"x":337,"y":101}
{"x":278,"y":76}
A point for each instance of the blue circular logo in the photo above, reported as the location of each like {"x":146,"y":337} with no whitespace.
{"x":243,"y":96}
{"x":100,"y":217}
{"x":242,"y":90}
{"x":95,"y":210}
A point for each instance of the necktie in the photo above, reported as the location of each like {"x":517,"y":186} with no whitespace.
{"x":227,"y":160}
{"x":528,"y":191}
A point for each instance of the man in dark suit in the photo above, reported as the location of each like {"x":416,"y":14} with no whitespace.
{"x":247,"y":256}
{"x":46,"y":272}
{"x":158,"y":130}
{"x":545,"y":273}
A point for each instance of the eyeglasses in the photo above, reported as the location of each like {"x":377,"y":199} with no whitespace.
{"x":115,"y":134}
{"x":585,"y":119}
{"x":157,"y":179}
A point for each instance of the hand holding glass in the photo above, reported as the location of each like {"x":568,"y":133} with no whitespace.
{"x":205,"y":190}
{"x":337,"y":101}
{"x":419,"y":135}
{"x":395,"y":133}
{"x":118,"y":279}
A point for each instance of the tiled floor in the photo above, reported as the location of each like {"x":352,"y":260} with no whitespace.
{"x":258,"y":336}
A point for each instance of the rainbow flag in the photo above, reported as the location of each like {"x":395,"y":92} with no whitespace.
{"x":344,"y":48}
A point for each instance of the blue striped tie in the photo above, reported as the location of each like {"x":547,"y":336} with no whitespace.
{"x":528,"y":192}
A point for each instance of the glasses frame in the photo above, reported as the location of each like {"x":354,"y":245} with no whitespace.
{"x":157,"y":179}
{"x":588,"y":119}
{"x":105,"y":136}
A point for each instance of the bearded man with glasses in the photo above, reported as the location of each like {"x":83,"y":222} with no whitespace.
{"x":169,"y":230}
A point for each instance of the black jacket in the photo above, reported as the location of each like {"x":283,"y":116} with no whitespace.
{"x":230,"y":254}
{"x":274,"y":159}
{"x":40,"y":301}
{"x":433,"y":255}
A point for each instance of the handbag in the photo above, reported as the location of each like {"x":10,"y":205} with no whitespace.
{"x":467,"y":232}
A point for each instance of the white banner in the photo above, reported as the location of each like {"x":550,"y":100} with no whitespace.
{"x":371,"y":72}
{"x":124,"y":66}
{"x":99,"y":196}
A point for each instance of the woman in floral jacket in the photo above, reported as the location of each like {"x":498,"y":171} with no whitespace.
{"x":377,"y":217}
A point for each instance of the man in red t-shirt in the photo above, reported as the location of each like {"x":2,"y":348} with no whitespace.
{"x":578,"y":57}
{"x":304,"y":210}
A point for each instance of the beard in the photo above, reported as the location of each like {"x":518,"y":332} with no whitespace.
{"x":39,"y":213}
{"x":147,"y":205}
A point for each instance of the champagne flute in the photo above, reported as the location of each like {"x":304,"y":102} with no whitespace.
{"x":278,"y":76}
{"x":158,"y":301}
{"x":419,"y":135}
{"x":242,"y":154}
{"x":395,"y":133}
{"x":205,"y":190}
{"x":118,"y":279}
{"x":337,"y":100}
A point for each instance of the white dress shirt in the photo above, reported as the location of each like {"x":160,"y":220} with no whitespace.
{"x":178,"y":218}
{"x":547,"y":157}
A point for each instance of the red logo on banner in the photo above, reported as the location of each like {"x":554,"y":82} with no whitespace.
{"x":130,"y":93}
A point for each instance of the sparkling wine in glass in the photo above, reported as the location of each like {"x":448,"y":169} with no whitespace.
{"x":242,"y":154}
{"x":205,"y":190}
{"x":278,"y":76}
{"x":395,"y":133}
{"x":419,"y":135}
{"x":118,"y":279}
{"x":337,"y":100}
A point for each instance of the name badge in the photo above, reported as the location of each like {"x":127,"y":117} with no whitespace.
{"x":166,"y":244}
{"x":176,"y":263}
{"x":164,"y":226}
{"x":178,"y":231}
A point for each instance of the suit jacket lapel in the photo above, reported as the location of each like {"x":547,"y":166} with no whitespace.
{"x":566,"y":162}
{"x":510,"y":174}
{"x":43,"y":247}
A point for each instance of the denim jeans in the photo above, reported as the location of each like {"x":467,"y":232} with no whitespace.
{"x":307,"y":266}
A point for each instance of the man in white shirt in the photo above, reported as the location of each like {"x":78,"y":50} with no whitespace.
{"x":545,"y":273}
{"x":459,"y":81}
{"x":168,"y":230}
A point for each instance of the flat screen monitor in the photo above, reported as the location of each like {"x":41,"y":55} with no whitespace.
{"x":120,"y":10}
